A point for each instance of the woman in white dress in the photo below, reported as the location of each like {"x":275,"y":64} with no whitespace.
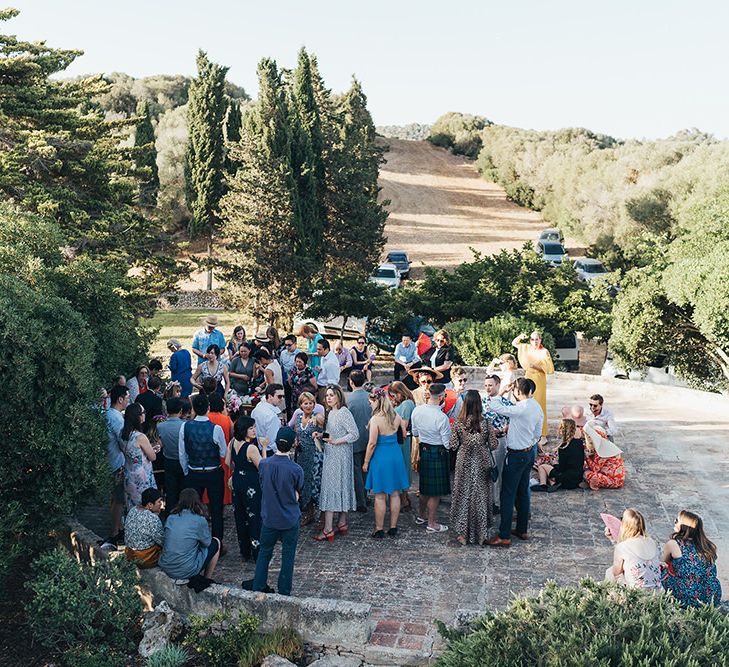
{"x":636,"y":560}
{"x":337,"y":475}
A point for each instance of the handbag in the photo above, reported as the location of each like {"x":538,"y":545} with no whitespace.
{"x":494,"y":472}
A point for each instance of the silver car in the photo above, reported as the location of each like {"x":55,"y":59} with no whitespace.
{"x":552,"y":252}
{"x":387,"y":275}
{"x":551,"y":234}
{"x":589,"y":269}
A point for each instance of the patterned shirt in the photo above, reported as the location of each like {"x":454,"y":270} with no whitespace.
{"x":143,"y":529}
{"x":497,"y":421}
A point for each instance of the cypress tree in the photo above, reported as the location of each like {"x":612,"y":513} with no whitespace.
{"x":205,"y":152}
{"x":233,"y":127}
{"x":146,"y":157}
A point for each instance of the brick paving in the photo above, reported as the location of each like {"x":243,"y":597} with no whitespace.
{"x":676,"y":456}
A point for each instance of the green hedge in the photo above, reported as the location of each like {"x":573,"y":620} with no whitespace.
{"x":593,"y":624}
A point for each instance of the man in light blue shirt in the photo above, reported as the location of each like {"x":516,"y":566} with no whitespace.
{"x":406,"y":356}
{"x":525,"y":430}
{"x":206,"y":336}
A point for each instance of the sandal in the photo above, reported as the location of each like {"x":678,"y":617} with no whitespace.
{"x":342,"y":530}
{"x":324,"y":535}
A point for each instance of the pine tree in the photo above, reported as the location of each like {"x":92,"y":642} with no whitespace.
{"x":356,"y":220}
{"x":268,"y":266}
{"x":61,"y":158}
{"x":205,"y":155}
{"x":307,"y":158}
{"x":146,"y":157}
{"x":233,"y":128}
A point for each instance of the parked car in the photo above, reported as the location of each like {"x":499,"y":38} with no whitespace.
{"x":552,"y":252}
{"x":401,"y":260}
{"x":663,"y":375}
{"x":589,"y":269}
{"x":551,"y":234}
{"x":387,"y":340}
{"x":355,"y":326}
{"x":567,"y":352}
{"x":387,"y":275}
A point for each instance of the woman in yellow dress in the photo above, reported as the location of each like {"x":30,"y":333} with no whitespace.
{"x":537,"y":362}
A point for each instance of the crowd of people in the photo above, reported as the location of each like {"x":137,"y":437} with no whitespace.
{"x":291,"y":437}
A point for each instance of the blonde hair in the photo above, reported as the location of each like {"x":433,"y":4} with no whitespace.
{"x":444,"y":333}
{"x":306,"y":396}
{"x":567,"y":429}
{"x":383,"y":406}
{"x":509,"y":359}
{"x":632,"y":525}
{"x":400,"y":389}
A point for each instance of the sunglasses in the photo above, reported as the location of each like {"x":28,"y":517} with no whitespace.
{"x":594,"y":405}
{"x":426,"y":382}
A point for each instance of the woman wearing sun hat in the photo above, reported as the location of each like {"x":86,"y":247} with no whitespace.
{"x":604,"y":466}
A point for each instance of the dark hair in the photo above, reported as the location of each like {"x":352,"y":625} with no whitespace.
{"x":241,"y":427}
{"x":238,"y":328}
{"x":324,"y":343}
{"x":262,"y":353}
{"x":139,"y":370}
{"x":471,"y":411}
{"x":155,"y":365}
{"x":303,"y":356}
{"x":437,"y":389}
{"x":174,"y":405}
{"x":691,"y":529}
{"x":132,"y":420}
{"x":118,"y":391}
{"x":186,"y":406}
{"x":272,"y":332}
{"x":213,"y":348}
{"x":493,"y":377}
{"x":209,"y":385}
{"x":272,"y":388}
{"x":291,"y":338}
{"x":189,"y":500}
{"x":117,"y":381}
{"x":150,"y":495}
{"x":598,"y":398}
{"x":200,"y":404}
{"x":217,"y":404}
{"x":154,"y":383}
{"x":406,"y":333}
{"x":524,"y":386}
{"x":357,"y":378}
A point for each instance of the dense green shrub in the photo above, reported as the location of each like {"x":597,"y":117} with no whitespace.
{"x":477,"y":343}
{"x":169,"y":656}
{"x":459,"y":132}
{"x":80,"y":606}
{"x":222,"y":641}
{"x":593,"y":624}
{"x":101,"y":656}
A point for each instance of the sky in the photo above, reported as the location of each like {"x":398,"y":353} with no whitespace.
{"x":628,"y":68}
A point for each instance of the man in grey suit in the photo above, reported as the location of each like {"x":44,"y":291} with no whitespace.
{"x":358,"y":403}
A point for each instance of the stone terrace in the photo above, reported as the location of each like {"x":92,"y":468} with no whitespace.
{"x":676,"y":444}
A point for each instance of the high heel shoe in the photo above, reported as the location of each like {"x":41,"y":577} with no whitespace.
{"x":342,"y":530}
{"x":324,"y":535}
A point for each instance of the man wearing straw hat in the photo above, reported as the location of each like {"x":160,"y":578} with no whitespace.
{"x":208,"y":335}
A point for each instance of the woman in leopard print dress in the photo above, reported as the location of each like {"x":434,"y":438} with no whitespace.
{"x":472,"y":500}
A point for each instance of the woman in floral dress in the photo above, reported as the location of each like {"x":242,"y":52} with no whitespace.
{"x":138,"y":456}
{"x":301,"y":378}
{"x":604,"y":466}
{"x":308,"y":455}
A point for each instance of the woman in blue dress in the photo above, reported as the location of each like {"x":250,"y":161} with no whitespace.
{"x":308,"y":455}
{"x":690,"y":563}
{"x":383,"y":462}
{"x":180,"y":367}
{"x":404,"y":404}
{"x":244,"y":453}
{"x":309,"y":332}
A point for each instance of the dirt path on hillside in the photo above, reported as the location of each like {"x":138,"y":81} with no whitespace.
{"x":441,"y":207}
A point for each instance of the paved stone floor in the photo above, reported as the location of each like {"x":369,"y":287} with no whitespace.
{"x":676,"y":445}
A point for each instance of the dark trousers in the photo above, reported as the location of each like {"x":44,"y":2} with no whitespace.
{"x":515,"y":491}
{"x":359,"y":479}
{"x":289,"y":539}
{"x":212,"y":481}
{"x":400,"y":369}
{"x":247,"y":512}
{"x":174,"y":483}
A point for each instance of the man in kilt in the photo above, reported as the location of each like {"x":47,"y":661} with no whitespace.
{"x":434,"y":430}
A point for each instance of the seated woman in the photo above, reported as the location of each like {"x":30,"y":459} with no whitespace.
{"x":360,"y":358}
{"x":143,"y":531}
{"x":577,"y":414}
{"x":188,"y":549}
{"x":604,"y":466}
{"x":567,"y":473}
{"x":689,"y":559}
{"x":636,"y":559}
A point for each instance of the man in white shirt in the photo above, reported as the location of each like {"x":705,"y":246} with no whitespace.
{"x":434,"y":430}
{"x":201,"y":445}
{"x":525,"y":430}
{"x":603,"y":416}
{"x":329,"y":369}
{"x":267,"y":415}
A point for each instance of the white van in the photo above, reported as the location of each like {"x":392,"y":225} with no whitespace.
{"x":567,"y":351}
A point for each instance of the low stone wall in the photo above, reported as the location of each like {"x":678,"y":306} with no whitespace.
{"x":331,"y":624}
{"x":187,"y":300}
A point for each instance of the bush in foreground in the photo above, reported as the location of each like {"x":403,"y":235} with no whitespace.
{"x":592,"y":624}
{"x":221,"y":641}
{"x":91,"y":609}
